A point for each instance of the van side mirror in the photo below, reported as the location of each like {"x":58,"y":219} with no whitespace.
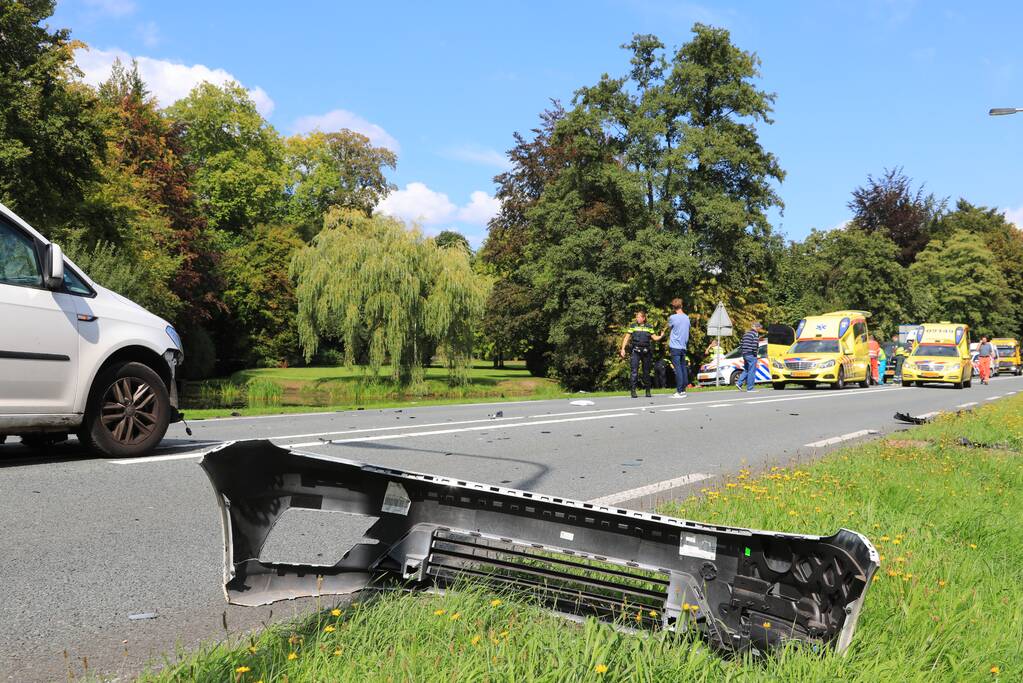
{"x":54,"y":273}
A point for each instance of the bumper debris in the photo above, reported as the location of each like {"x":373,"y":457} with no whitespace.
{"x":739,"y":589}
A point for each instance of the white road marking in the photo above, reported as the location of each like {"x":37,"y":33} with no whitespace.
{"x":382,"y":437}
{"x":966,"y":405}
{"x":820,"y":395}
{"x":674,"y":410}
{"x":650,"y":489}
{"x":491,"y":420}
{"x":928,"y":415}
{"x":161,"y":458}
{"x":992,"y":398}
{"x":720,"y":405}
{"x":839,"y":439}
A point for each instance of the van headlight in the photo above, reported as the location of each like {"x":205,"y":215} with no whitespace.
{"x":954,"y":367}
{"x":826,"y":364}
{"x":175,"y":339}
{"x":777,"y":365}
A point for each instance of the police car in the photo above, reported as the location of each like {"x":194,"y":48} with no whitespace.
{"x":732,"y":366}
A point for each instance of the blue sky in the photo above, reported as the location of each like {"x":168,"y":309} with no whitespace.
{"x":860,"y":85}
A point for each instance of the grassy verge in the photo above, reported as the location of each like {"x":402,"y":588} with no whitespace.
{"x":269,"y":391}
{"x":945,"y":606}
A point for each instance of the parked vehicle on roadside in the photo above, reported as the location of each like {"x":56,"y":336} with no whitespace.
{"x":1008,"y":356}
{"x":77,"y":358}
{"x":732,"y":366}
{"x":830,"y":349}
{"x":942,"y":356}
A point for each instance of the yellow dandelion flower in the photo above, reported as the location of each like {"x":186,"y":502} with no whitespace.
{"x":973,"y":546}
{"x":504,"y":634}
{"x":995,"y":670}
{"x":456,"y":616}
{"x":292,"y":655}
{"x":335,"y":612}
{"x":495,"y":603}
{"x":337,"y":652}
{"x":653,"y":613}
{"x":639,"y":616}
{"x":475,"y":640}
{"x":685,"y":606}
{"x":897,"y":541}
{"x":439,"y":612}
{"x":253,"y":649}
{"x":328,"y":629}
{"x":600,"y":669}
{"x":767,"y":624}
{"x":242,"y":670}
{"x":941,"y":583}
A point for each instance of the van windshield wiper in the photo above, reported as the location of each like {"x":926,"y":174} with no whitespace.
{"x":302,"y":524}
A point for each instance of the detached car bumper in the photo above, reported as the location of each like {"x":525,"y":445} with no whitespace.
{"x":418,"y":531}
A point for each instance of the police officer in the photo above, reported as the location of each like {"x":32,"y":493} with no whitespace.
{"x":641,"y":337}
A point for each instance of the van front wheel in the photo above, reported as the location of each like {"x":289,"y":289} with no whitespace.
{"x":128,"y":412}
{"x":840,"y":382}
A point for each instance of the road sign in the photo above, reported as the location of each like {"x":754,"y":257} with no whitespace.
{"x":719,"y":325}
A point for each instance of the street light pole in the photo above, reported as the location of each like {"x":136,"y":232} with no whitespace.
{"x":1004,"y":111}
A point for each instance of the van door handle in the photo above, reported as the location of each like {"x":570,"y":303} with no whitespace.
{"x":86,"y":318}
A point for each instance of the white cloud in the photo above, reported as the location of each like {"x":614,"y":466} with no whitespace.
{"x":168,"y":81}
{"x":417,"y":203}
{"x":1015,"y":216}
{"x":149,"y":33}
{"x":480,"y":209}
{"x":341,"y":118}
{"x":478,"y":155}
{"x":114,"y":8}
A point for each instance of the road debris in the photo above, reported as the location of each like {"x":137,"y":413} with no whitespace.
{"x":142,"y":615}
{"x":422,"y":531}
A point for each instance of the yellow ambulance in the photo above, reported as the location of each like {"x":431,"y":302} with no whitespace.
{"x":1008,"y":356}
{"x":830,"y":349}
{"x":942,"y":356}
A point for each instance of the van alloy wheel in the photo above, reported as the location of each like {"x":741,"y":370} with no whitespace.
{"x":129,"y":410}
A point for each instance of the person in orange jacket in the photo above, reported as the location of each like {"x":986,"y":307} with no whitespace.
{"x":875,"y":352}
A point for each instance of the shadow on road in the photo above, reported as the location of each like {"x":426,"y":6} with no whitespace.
{"x":529,"y":483}
{"x":13,"y":454}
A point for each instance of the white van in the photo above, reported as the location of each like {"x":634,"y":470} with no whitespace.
{"x":76,"y":358}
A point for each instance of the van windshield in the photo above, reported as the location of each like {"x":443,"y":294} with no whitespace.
{"x":1006,"y":350}
{"x":815,"y":346}
{"x":936,"y":350}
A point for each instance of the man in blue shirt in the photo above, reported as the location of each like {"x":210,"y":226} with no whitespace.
{"x":750,"y":349}
{"x":677,"y":343}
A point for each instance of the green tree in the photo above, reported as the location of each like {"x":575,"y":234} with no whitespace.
{"x":388,"y":293}
{"x":446,"y":239}
{"x":51,"y":133}
{"x":844,"y":268}
{"x":341,"y":169}
{"x":888,"y":205}
{"x":261,"y":296}
{"x":1004,"y":240}
{"x":240,"y":175}
{"x":959,"y":281}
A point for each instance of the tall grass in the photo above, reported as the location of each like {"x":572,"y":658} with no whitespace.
{"x":946,"y":604}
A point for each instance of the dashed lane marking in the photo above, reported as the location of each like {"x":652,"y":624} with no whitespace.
{"x":650,"y":489}
{"x":839,"y":439}
{"x":967,"y":405}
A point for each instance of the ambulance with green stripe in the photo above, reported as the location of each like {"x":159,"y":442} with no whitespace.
{"x":941,"y":357}
{"x":830,"y":349}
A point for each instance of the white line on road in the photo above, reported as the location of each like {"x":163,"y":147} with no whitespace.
{"x":382,"y":437}
{"x":673,"y":410}
{"x":491,"y":420}
{"x":966,"y":405}
{"x":992,"y":398}
{"x":650,"y":489}
{"x":820,"y":395}
{"x":388,"y":437}
{"x":839,"y":439}
{"x":720,"y":405}
{"x":926,"y":416}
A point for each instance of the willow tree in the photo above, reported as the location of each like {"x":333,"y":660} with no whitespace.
{"x":387,"y":293}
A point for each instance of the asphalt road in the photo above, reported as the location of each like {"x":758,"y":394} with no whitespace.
{"x":89,"y":542}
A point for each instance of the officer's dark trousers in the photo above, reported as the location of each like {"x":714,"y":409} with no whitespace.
{"x":640,"y":355}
